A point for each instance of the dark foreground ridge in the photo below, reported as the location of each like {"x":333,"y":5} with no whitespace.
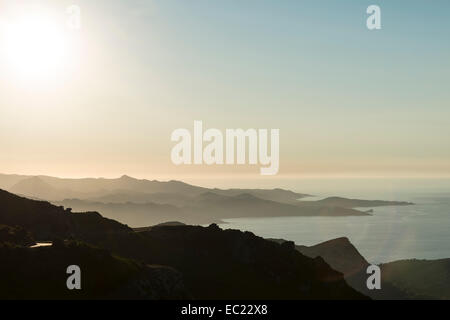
{"x":405,"y":279}
{"x":117,"y":262}
{"x":39,"y":273}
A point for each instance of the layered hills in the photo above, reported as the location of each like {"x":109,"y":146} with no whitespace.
{"x":188,"y":261}
{"x":178,"y":261}
{"x":140,"y":202}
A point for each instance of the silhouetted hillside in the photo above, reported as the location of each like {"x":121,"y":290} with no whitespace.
{"x":215,"y":264}
{"x":40,"y":273}
{"x":339,"y":253}
{"x":15,"y":236}
{"x":230,"y":264}
{"x":405,"y":279}
{"x":241,"y":264}
{"x":46,"y":221}
{"x":342,"y":256}
{"x":133,"y":214}
{"x":419,"y":279}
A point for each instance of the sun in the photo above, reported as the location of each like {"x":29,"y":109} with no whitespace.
{"x":35,"y":47}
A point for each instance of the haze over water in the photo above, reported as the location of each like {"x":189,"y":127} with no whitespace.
{"x":397,"y":232}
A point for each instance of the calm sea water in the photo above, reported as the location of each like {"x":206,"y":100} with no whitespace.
{"x":396,"y":232}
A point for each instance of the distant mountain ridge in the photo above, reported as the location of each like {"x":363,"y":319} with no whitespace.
{"x":88,"y":188}
{"x":38,"y":188}
{"x":140,"y":202}
{"x":205,"y":208}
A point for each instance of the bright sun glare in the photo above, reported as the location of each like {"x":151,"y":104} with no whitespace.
{"x":35,"y":46}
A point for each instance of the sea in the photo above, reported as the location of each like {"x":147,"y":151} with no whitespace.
{"x":419,"y":231}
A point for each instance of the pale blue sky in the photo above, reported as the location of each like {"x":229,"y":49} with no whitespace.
{"x":347,"y":100}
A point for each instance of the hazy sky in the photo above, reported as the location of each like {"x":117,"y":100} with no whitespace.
{"x":348,"y":101}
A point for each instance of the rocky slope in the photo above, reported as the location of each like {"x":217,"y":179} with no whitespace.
{"x":405,"y":279}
